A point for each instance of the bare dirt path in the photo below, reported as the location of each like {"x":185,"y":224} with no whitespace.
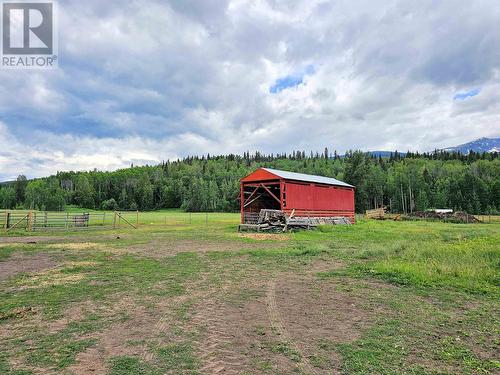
{"x":29,"y":239}
{"x":25,"y":264}
{"x":278,"y":325}
{"x":169,"y":247}
{"x":56,"y":238}
{"x":217,"y":344}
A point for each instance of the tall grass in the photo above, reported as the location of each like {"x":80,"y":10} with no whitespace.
{"x":466,"y":257}
{"x":472,"y":264}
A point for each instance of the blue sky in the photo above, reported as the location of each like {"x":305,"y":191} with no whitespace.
{"x":292,"y":80}
{"x":467,"y":94}
{"x":144,"y":81}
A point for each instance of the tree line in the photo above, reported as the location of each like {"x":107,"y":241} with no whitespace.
{"x":401,"y":182}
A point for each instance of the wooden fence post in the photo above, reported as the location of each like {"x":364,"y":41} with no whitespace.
{"x":6,"y":222}
{"x":137,"y":220}
{"x":30,"y":221}
{"x":114,"y":221}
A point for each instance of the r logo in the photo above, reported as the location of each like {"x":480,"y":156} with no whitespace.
{"x":28,"y":29}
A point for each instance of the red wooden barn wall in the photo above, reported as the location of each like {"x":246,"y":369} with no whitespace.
{"x":318,"y":200}
{"x":307,"y":199}
{"x":318,"y":197}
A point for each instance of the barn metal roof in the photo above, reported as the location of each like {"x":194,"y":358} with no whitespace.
{"x":307,"y":177}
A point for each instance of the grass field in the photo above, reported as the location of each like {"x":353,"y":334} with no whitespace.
{"x":195,"y":297}
{"x":107,"y":218}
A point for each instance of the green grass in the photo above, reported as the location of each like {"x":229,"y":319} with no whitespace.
{"x":55,"y":350}
{"x":172,"y":359}
{"x":126,"y":365}
{"x":463,"y":257}
{"x":107,"y":219}
{"x":108,"y":276}
{"x":178,"y":358}
{"x":437,"y":312}
{"x":285,"y":349}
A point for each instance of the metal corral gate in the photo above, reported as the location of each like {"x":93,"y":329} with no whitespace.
{"x":33,"y":221}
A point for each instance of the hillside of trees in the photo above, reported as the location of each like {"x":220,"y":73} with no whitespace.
{"x":413,"y":181}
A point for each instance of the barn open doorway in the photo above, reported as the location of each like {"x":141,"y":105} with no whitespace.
{"x":260,"y":196}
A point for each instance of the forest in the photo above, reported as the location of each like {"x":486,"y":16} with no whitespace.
{"x":402,"y":182}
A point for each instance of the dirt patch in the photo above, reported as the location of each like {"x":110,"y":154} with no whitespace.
{"x":265,"y":236}
{"x":308,"y":313}
{"x":50,"y":278}
{"x":312,"y":310}
{"x":91,"y":361}
{"x":74,"y":313}
{"x":279,"y":327}
{"x":25,"y":264}
{"x":229,"y":341}
{"x":20,"y":312}
{"x":127,"y":338}
{"x":56,"y":276}
{"x":59,"y":238}
{"x":30,"y":239}
{"x":236,"y":333}
{"x":266,"y":332}
{"x":78,"y":246}
{"x":164,"y":248}
{"x":326,"y":264}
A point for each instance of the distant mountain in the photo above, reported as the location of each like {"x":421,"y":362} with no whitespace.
{"x":479,"y":145}
{"x":384,"y":154}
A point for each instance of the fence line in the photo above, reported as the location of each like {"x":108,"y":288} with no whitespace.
{"x":40,"y":221}
{"x":33,"y":221}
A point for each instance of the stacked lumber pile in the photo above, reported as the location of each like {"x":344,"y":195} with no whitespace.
{"x":453,"y":217}
{"x":378,"y":214}
{"x":272,"y":217}
{"x":278,"y":221}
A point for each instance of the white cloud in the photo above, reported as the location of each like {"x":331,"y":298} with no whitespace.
{"x":148,"y":80}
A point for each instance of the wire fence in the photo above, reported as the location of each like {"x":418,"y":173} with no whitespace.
{"x":489,"y":218}
{"x":14,"y":221}
{"x":189,"y":218}
{"x":38,"y":221}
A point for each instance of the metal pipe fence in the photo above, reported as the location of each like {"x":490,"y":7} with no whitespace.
{"x":15,"y":221}
{"x":191,"y":218}
{"x":38,"y":221}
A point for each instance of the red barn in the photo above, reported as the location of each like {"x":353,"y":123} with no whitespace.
{"x":306,"y":195}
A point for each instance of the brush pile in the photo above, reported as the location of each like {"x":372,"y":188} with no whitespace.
{"x":278,"y":221}
{"x":452,"y":217}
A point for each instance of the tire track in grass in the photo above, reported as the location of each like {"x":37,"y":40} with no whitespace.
{"x":278,"y":326}
{"x":216,"y":343}
{"x":160,"y":326}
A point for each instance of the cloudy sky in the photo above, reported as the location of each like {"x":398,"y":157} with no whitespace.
{"x":144,"y":81}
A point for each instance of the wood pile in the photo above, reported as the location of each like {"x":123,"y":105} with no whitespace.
{"x":272,"y":217}
{"x":378,"y":213}
{"x":452,"y":217}
{"x":278,"y":221}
